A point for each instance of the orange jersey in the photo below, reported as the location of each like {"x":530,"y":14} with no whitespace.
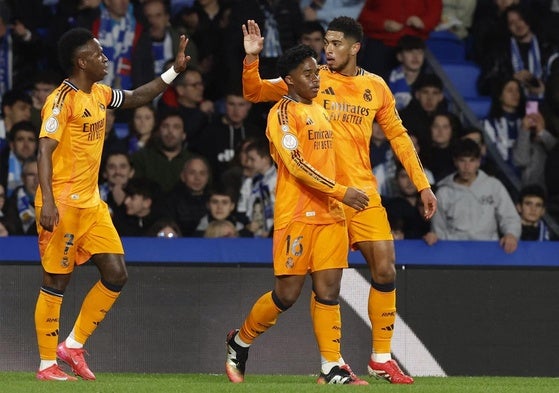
{"x":77,"y":120}
{"x":352,"y":103}
{"x":302,"y":145}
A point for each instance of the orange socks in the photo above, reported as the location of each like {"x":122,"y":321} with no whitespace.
{"x":47,"y":317}
{"x":382,"y":313}
{"x":327,"y":326}
{"x":263,"y":316}
{"x":95,"y":306}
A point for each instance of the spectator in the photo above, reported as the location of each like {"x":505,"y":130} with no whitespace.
{"x":221,"y":206}
{"x":312,"y":34}
{"x":489,"y":30}
{"x":324,"y":11}
{"x":142,"y":128}
{"x":209,"y":32}
{"x":166,"y":228}
{"x":190,"y":103}
{"x":428,"y":100}
{"x":280,"y":20}
{"x":221,"y":138}
{"x":5,"y":227}
{"x":23,"y":144}
{"x":531,"y":207}
{"x":20,"y":51}
{"x":472,"y":205}
{"x":142,"y":208}
{"x":16,"y":107}
{"x":508,"y":107}
{"x":531,"y":148}
{"x":239,"y":175}
{"x":221,"y":228}
{"x":524,"y":56}
{"x":405,"y":210}
{"x":410,"y":53}
{"x":445,"y":129}
{"x":125,"y":43}
{"x":163,"y":161}
{"x":44,"y":83}
{"x":164,"y":36}
{"x":476,"y":134}
{"x":385,"y":22}
{"x":457,"y":17}
{"x":259,"y":204}
{"x":187,"y":201}
{"x":117,"y":171}
{"x":20,"y":208}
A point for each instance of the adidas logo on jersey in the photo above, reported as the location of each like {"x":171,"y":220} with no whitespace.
{"x":86,"y":113}
{"x":329,"y":91}
{"x":309,"y":121}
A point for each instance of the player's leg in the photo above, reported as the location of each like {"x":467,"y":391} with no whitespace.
{"x":369,"y":231}
{"x":328,"y":259}
{"x":47,"y":323}
{"x":290,"y":269}
{"x":262,"y":316}
{"x":57,"y":252}
{"x":100,"y":244}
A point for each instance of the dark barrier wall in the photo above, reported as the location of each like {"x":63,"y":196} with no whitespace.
{"x":173,"y":317}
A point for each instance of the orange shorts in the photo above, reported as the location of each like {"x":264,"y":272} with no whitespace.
{"x":368,"y":225}
{"x":301,"y":248}
{"x":80,"y":233}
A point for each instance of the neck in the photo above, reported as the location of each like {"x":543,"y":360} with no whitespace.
{"x":529,"y":223}
{"x":81,"y":83}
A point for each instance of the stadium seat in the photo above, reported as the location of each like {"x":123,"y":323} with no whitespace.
{"x":463,"y":76}
{"x":479,"y":105}
{"x":446,"y":47}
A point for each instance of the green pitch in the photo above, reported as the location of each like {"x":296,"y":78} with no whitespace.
{"x":15,"y":382}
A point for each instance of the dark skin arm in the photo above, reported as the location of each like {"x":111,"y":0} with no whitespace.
{"x":147,"y":92}
{"x":49,"y":212}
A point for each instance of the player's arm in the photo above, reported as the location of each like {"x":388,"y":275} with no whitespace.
{"x":49,"y":211}
{"x":147,"y":92}
{"x":286,"y":150}
{"x":404,"y":149}
{"x":254,"y":88}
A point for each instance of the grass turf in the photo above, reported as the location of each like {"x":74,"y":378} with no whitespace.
{"x":24,"y":382}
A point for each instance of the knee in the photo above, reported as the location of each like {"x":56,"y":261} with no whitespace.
{"x":385,"y":274}
{"x":113,"y":271}
{"x":118,"y":277}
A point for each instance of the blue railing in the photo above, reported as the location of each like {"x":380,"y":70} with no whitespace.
{"x":259,"y":251}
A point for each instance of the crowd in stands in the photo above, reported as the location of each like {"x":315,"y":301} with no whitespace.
{"x":196,"y":162}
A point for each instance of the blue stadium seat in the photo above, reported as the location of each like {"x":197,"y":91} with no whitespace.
{"x":463,"y":76}
{"x":479,"y":105}
{"x":446,"y":46}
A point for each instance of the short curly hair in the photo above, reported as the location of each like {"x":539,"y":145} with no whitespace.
{"x":69,"y":43}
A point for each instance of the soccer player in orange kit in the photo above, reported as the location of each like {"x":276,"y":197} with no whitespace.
{"x":73,"y":222}
{"x":354,"y":98}
{"x":310,"y":234}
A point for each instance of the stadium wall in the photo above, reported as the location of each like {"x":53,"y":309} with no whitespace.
{"x":464,"y":308}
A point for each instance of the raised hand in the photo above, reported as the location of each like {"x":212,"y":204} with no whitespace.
{"x":253,"y":40}
{"x":181,"y":60}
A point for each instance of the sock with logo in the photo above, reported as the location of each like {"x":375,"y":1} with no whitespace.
{"x":382,"y":313}
{"x":47,"y":322}
{"x":327,"y":326}
{"x":262,"y":316}
{"x":95,"y":307}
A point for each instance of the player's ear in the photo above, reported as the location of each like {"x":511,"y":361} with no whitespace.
{"x":288,"y":80}
{"x":355,"y":48}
